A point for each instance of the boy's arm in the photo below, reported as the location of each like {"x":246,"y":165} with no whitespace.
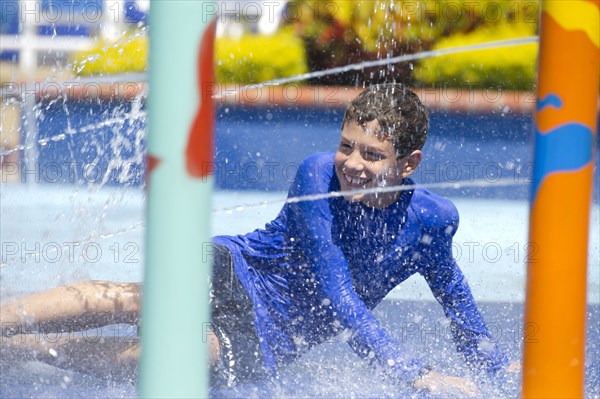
{"x":371,"y":340}
{"x":450,"y":288}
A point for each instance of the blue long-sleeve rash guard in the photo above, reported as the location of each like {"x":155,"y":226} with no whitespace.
{"x":322,"y":265}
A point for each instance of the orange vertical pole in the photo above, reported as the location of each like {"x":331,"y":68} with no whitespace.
{"x":565,"y":131}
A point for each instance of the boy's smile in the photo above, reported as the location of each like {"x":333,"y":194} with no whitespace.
{"x":366,"y":160}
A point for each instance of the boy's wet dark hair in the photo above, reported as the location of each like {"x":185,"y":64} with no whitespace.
{"x":401,"y":115}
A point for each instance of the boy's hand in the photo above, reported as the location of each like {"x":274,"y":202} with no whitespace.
{"x":514,"y":367}
{"x":441,"y":384}
{"x":130,"y":355}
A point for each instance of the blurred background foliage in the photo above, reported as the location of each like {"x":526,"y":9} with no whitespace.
{"x":317,"y":35}
{"x":259,"y":58}
{"x":128,"y":54}
{"x":339,"y":32}
{"x":511,"y":68}
{"x":250,"y":59}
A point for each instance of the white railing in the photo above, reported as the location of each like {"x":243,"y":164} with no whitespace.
{"x":107,"y":21}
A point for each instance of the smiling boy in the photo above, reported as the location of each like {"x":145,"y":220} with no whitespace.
{"x":321,"y":266}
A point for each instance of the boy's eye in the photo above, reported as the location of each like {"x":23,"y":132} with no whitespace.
{"x":373,"y":156}
{"x":345,"y":147}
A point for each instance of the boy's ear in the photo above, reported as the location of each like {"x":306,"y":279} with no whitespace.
{"x":410,"y":162}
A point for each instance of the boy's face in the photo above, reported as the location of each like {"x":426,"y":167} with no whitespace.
{"x":363,"y":160}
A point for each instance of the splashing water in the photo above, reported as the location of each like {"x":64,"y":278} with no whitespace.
{"x":83,"y":219}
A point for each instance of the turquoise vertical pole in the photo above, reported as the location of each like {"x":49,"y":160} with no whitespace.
{"x":175,"y":311}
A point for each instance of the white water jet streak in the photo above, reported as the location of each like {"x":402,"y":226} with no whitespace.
{"x":386,"y":61}
{"x":135,"y":115}
{"x":271,"y":203}
{"x":142,"y":77}
{"x":481,"y":183}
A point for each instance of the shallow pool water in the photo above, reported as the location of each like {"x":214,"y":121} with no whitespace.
{"x":41,"y":220}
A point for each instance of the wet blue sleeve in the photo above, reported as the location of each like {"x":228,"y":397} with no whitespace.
{"x":451,"y":290}
{"x":312,"y":222}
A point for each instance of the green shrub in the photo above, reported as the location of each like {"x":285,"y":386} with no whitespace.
{"x":511,"y":67}
{"x":250,"y":59}
{"x":257,"y":58}
{"x":127,"y":54}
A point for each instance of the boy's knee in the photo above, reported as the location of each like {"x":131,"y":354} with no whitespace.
{"x":214,"y":349}
{"x":87,"y":285}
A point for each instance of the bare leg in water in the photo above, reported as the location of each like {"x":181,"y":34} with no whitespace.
{"x":77,"y":307}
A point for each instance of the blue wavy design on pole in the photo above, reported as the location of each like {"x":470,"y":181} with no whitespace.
{"x":551,"y":100}
{"x":566,"y":148}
